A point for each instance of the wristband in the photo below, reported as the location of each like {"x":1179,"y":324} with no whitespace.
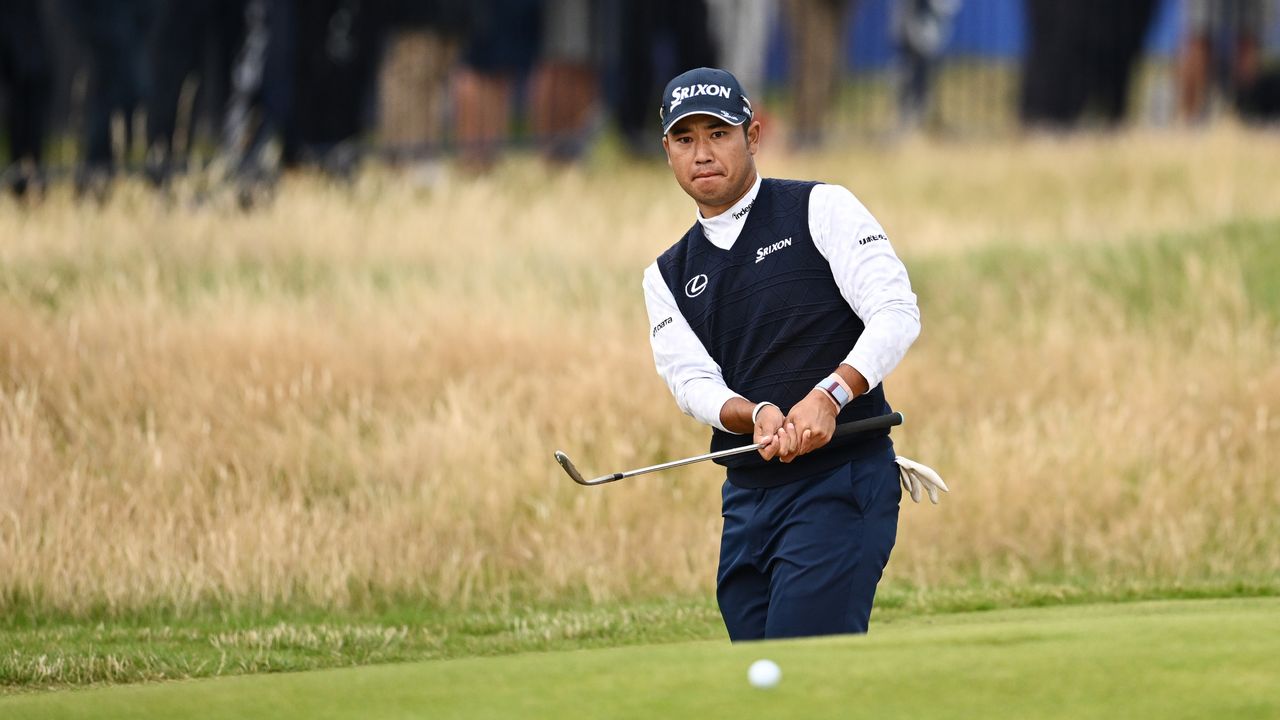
{"x":755,"y":412}
{"x":840,"y":379}
{"x":836,"y":390}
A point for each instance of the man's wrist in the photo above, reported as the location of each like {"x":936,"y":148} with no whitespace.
{"x":755,"y":412}
{"x":854,"y":379}
{"x":843,"y":383}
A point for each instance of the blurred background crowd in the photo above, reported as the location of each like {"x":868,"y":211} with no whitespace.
{"x":91,"y":88}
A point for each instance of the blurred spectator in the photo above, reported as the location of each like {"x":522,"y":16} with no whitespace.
{"x":1221,"y":43}
{"x":660,"y":39}
{"x":817,"y":54}
{"x":25,"y":80}
{"x":499,"y":51}
{"x":420,"y":46}
{"x":1260,"y":100}
{"x":112,"y":34}
{"x":564,"y":85}
{"x":261,"y":94}
{"x":190,"y":41}
{"x":335,"y":63}
{"x":741,"y":29}
{"x":301,"y":85}
{"x":920,"y":30}
{"x":1081,"y":56}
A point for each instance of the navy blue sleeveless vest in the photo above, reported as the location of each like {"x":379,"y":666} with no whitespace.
{"x":769,"y":312}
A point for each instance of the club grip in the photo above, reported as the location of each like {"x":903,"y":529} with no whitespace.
{"x":880,"y":422}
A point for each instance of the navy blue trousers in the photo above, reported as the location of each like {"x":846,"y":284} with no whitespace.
{"x":804,"y":558}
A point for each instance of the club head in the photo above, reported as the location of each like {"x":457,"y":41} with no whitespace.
{"x":567,"y":464}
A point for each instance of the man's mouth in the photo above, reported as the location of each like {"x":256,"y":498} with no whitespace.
{"x":706,"y":174}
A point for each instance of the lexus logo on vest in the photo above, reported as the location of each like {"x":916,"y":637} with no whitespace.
{"x":695,"y":286}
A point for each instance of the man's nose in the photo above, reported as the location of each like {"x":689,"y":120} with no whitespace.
{"x":702,"y":151}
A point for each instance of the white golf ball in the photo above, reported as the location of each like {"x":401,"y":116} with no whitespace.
{"x":764,"y":673}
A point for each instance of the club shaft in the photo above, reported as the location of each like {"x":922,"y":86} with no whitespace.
{"x":690,"y":460}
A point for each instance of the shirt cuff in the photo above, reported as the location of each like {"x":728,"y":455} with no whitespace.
{"x":709,"y":404}
{"x":863,"y":364}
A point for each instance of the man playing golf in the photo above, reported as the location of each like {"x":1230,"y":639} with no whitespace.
{"x":778,"y":314}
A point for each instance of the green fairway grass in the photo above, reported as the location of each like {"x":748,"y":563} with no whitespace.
{"x":1166,"y":659}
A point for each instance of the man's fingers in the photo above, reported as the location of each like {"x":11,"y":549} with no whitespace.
{"x":768,"y":451}
{"x":787,"y":442}
{"x":797,"y":437}
{"x":800,"y":440}
{"x":817,"y":440}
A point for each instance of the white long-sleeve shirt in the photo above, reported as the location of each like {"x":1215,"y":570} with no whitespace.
{"x":869,"y":274}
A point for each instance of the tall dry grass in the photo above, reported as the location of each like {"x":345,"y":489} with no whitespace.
{"x":354,"y":394}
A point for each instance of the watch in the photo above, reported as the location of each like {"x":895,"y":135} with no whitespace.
{"x":836,"y":390}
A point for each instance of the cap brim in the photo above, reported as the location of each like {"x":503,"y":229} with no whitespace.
{"x":725,"y":115}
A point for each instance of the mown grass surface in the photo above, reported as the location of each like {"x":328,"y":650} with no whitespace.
{"x":1181,"y":659}
{"x":50,"y":653}
{"x":44,"y":653}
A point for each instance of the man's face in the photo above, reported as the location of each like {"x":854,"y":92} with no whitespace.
{"x":712,"y":160}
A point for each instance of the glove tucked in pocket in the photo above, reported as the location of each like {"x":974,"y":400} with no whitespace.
{"x":915,"y":476}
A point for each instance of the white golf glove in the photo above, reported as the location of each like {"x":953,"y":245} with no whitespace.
{"x":915,"y":476}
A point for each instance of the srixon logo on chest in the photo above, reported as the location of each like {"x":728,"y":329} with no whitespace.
{"x":768,"y":250}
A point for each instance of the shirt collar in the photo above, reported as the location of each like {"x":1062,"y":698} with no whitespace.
{"x":723,"y":229}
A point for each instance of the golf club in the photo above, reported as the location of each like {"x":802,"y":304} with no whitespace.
{"x":851,"y":428}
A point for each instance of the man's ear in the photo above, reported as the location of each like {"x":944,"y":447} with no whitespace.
{"x":666,"y":149}
{"x":753,"y":137}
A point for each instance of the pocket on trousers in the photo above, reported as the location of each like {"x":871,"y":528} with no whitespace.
{"x":868,"y":479}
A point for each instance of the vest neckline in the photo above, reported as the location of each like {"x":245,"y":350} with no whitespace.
{"x":761,"y":199}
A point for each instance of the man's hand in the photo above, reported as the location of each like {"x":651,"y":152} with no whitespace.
{"x":811,"y":422}
{"x":769,"y":429}
{"x":915,"y":476}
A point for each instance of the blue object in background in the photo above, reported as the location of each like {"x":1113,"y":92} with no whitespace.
{"x":982,"y":28}
{"x":1166,"y":30}
{"x":992,"y":29}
